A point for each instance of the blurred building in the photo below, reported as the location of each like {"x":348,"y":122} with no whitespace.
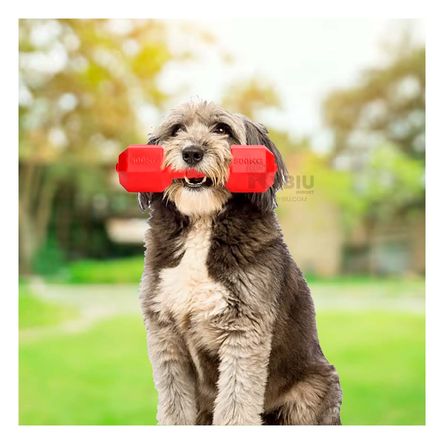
{"x":314,"y":233}
{"x":395,"y":247}
{"x":321,"y":248}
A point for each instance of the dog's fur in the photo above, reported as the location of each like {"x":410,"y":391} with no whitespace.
{"x":231,"y":324}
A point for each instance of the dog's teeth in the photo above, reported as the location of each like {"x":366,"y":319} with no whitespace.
{"x":197,"y":182}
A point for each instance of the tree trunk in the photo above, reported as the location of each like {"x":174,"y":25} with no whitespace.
{"x":36,"y":197}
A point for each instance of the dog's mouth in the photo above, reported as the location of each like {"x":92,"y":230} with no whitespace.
{"x":196,"y":183}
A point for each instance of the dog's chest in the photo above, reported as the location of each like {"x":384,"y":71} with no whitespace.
{"x":187,"y":292}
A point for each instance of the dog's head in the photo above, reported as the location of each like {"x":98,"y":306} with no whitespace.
{"x":199,"y":135}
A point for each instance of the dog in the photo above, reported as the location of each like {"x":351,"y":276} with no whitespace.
{"x":230,"y":322}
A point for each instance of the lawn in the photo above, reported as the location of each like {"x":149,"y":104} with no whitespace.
{"x":380,"y":358}
{"x":102,"y":375}
{"x":33,"y":312}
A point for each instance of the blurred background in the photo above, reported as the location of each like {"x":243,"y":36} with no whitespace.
{"x":344,"y":101}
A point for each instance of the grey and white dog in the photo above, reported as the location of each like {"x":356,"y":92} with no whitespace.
{"x":231,"y":325}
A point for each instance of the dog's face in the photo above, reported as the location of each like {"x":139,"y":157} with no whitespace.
{"x":199,"y":135}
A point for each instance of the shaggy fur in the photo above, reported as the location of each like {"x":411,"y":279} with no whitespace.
{"x":230,"y":320}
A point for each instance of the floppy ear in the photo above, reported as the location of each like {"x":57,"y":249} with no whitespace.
{"x":145,"y":199}
{"x":257,"y":134}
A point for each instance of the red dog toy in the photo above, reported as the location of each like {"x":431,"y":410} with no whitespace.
{"x":252,"y":169}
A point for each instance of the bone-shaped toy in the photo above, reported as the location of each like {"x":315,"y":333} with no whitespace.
{"x":251,"y":170}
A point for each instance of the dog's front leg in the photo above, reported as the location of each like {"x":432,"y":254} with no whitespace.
{"x":243,"y":371}
{"x":173,"y":375}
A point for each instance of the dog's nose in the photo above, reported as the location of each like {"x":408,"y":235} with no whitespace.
{"x":192,"y":154}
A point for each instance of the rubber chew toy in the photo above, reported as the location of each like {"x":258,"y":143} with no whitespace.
{"x":252,"y":169}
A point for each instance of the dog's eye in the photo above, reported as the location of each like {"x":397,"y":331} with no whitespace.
{"x":176,"y":128}
{"x":222,"y":128}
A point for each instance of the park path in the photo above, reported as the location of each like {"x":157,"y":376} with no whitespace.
{"x":368,"y":297}
{"x":93,"y":302}
{"x":96,"y":302}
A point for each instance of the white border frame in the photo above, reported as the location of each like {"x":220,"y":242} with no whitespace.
{"x":228,"y":8}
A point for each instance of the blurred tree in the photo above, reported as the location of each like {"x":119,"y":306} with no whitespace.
{"x":393,"y":181}
{"x":82,"y":85}
{"x":251,"y":96}
{"x":379,"y":140}
{"x":379,"y":132}
{"x":387,"y":104}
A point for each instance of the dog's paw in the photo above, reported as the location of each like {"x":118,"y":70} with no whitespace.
{"x":236,"y":419}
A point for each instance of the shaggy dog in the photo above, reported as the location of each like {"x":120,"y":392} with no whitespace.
{"x":231,"y":325}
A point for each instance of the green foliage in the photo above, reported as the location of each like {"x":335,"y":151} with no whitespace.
{"x":379,"y":130}
{"x":389,"y":181}
{"x":82,"y":85}
{"x":49,"y":259}
{"x":114,"y":271}
{"x":129,"y":271}
{"x":100,"y":74}
{"x":34,"y":312}
{"x":392,"y":180}
{"x":388,"y":101}
{"x":336,"y":186}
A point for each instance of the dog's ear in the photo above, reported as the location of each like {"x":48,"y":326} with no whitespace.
{"x":145,"y":199}
{"x":257,"y":134}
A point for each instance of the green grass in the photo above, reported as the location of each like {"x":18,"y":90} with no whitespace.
{"x":380,"y":358}
{"x":102,"y":375}
{"x":33,"y":312}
